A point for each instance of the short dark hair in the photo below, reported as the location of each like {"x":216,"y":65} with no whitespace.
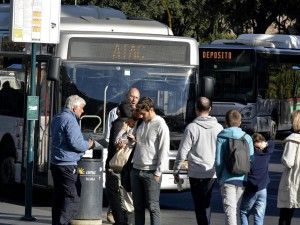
{"x":257,"y":137}
{"x":145,"y":103}
{"x":125,"y":110}
{"x":233,"y":118}
{"x":203,"y":104}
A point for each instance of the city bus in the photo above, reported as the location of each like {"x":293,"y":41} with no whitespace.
{"x":256,"y":74}
{"x":99,"y":57}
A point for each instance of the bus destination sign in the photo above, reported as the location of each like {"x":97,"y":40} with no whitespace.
{"x":129,"y":50}
{"x":216,"y":55}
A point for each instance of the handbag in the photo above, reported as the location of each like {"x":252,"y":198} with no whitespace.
{"x":125,"y":173}
{"x":119,"y":159}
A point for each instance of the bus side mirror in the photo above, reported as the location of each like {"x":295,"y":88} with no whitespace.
{"x":54,"y":68}
{"x":207,"y":86}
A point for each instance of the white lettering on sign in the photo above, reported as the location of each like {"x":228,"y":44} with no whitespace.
{"x":33,"y":108}
{"x":90,"y":172}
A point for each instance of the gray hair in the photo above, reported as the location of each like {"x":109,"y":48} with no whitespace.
{"x":74,"y":100}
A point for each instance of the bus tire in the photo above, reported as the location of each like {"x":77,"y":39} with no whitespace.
{"x":273,"y":130}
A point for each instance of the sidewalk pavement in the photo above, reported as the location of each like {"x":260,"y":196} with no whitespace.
{"x":11,"y":214}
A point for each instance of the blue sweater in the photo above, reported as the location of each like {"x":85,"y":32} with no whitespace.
{"x":222,"y":147}
{"x":258,"y":178}
{"x":68,"y":144}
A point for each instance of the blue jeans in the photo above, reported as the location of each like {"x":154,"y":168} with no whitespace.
{"x":256,"y":201}
{"x":145,"y":193}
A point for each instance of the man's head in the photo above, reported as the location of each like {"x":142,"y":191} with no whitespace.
{"x":259,"y":141}
{"x":145,"y":108}
{"x":233,"y":118}
{"x":75,"y":104}
{"x":203,"y":106}
{"x":133,"y":96}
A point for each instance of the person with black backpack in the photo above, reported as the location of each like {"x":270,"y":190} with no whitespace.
{"x":233,"y":156}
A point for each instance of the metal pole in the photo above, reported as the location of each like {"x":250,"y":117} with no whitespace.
{"x":30,"y":153}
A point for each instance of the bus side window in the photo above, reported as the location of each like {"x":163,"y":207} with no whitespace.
{"x":262,"y":81}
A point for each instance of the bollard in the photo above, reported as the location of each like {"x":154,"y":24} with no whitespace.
{"x":91,"y":178}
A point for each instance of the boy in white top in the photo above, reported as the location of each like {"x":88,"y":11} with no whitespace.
{"x":152,"y":147}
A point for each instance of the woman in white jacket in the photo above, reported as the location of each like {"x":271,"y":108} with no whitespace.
{"x":289,"y":188}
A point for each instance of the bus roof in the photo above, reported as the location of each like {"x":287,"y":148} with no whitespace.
{"x":90,"y":24}
{"x":94,"y":19}
{"x":280,"y":41}
{"x":91,"y":11}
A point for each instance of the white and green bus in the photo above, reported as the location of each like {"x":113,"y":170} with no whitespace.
{"x":102,"y":54}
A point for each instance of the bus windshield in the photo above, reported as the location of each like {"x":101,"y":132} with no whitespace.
{"x":232,"y":72}
{"x":171,"y":88}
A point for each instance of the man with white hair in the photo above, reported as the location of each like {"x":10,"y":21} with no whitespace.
{"x":68,"y":146}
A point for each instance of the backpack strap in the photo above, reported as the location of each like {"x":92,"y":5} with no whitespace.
{"x":243,"y":136}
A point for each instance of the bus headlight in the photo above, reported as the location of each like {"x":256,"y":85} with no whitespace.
{"x":248,"y":112}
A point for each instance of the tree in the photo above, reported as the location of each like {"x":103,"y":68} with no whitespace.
{"x":206,"y":20}
{"x":258,"y":15}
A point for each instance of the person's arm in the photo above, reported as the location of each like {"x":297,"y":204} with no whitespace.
{"x":121,"y":133}
{"x":251,"y":147}
{"x":289,"y":154}
{"x":75,"y":137}
{"x":163,"y":148}
{"x":219,"y":156}
{"x":112,"y":116}
{"x":184,"y":148}
{"x":271,"y":146}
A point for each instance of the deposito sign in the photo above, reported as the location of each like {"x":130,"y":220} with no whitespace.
{"x":35,"y":21}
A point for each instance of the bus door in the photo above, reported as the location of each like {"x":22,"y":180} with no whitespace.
{"x":42,"y":127}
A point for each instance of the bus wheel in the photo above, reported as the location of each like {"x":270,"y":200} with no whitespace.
{"x":7,"y":170}
{"x":273,"y":130}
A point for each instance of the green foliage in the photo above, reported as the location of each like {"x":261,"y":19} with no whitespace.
{"x":206,"y":20}
{"x":284,"y":82}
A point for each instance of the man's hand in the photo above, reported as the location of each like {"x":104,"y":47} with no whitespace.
{"x":157,"y":178}
{"x":131,"y":137}
{"x":261,"y":144}
{"x":91,"y":143}
{"x":176,"y":178}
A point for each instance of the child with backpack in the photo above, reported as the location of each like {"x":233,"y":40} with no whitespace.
{"x":255,"y":194}
{"x":231,"y":143}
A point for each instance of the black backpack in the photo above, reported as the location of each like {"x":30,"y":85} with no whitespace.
{"x":237,"y":158}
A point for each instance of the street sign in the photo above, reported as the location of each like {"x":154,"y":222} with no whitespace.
{"x":32,"y":107}
{"x":35,"y":21}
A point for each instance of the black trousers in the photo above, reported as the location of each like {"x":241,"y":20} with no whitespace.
{"x":286,"y":215}
{"x":66,"y":194}
{"x":201,"y":189}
